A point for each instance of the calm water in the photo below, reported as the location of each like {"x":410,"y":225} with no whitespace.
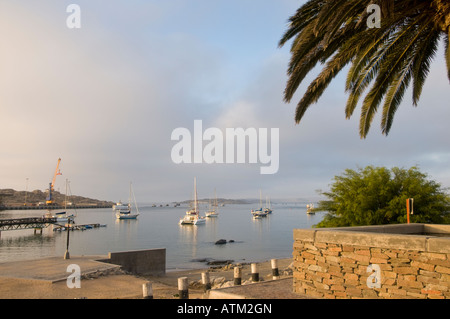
{"x":157,"y":227}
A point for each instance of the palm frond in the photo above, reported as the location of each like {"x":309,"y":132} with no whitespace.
{"x":334,"y":33}
{"x":402,"y":50}
{"x":425,"y":52}
{"x":394,"y":96}
{"x":447,"y":52}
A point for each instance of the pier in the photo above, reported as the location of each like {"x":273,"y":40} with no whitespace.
{"x":26,"y":223}
{"x":52,"y":207}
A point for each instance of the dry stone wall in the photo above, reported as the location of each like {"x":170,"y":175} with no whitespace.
{"x":370,"y":262}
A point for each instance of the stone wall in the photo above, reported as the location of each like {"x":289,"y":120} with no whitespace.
{"x":372,"y":262}
{"x":145,"y":262}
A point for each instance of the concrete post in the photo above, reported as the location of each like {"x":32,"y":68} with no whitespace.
{"x":275,"y":273}
{"x":237,"y":276}
{"x":147,"y":290}
{"x":183,"y":291}
{"x":255,"y":274}
{"x":205,"y":281}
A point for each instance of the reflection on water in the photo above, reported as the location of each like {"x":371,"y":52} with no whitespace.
{"x":158,"y":227}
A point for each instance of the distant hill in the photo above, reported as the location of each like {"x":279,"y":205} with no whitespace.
{"x":13,"y":198}
{"x":220,"y":201}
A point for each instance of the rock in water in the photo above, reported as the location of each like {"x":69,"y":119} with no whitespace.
{"x":221,"y":242}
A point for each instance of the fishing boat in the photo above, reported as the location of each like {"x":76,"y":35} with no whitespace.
{"x":192,"y":216}
{"x":310,"y":209}
{"x":213,"y":211}
{"x":125,"y":212}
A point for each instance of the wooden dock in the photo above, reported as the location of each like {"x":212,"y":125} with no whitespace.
{"x":52,"y":207}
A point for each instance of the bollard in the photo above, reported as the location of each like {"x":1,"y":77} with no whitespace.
{"x":205,"y":281}
{"x":147,"y":290}
{"x":183,"y":291}
{"x":275,"y":273}
{"x":237,"y":276}
{"x":255,"y":274}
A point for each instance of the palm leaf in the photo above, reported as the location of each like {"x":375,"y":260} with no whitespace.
{"x":403,"y":50}
{"x":394,"y":96}
{"x":422,"y":61}
{"x":447,"y":52}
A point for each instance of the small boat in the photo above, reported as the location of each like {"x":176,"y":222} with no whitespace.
{"x":61,"y":216}
{"x":213,"y":212}
{"x":310,"y":209}
{"x":125,"y":213}
{"x":119,"y":205}
{"x":192,"y":216}
{"x":268,"y":209}
{"x":259,"y":212}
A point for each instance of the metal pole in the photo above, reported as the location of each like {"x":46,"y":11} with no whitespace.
{"x":67,"y":255}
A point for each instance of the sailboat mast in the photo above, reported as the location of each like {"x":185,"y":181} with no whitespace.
{"x":195,"y":195}
{"x":260,"y":199}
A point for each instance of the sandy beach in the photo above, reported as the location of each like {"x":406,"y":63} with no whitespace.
{"x":116,"y":284}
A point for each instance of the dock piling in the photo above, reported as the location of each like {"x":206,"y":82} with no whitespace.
{"x":206,"y":281}
{"x":147,"y":290}
{"x":255,"y":274}
{"x":183,"y":291}
{"x":237,"y":276}
{"x":275,"y":272}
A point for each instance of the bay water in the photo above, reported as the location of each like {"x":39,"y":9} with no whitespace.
{"x":187,"y":246}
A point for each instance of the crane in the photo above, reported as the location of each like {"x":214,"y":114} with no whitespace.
{"x":49,"y":199}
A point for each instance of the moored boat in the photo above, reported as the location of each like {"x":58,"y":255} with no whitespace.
{"x":213,"y":210}
{"x":192,"y":216}
{"x":310,"y":209}
{"x":125,"y":211}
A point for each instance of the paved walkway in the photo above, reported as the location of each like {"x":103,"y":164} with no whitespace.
{"x":46,"y":278}
{"x":53,"y":269}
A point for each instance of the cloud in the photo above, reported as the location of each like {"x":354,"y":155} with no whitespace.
{"x":105,"y":98}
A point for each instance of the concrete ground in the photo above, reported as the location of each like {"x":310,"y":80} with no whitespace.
{"x":47,"y":278}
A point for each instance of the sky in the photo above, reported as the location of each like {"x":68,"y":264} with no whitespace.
{"x":106,"y":97}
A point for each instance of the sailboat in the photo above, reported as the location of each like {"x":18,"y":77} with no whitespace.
{"x":258,"y":213}
{"x":212,"y":212}
{"x":192,"y":216}
{"x":124,"y":212}
{"x":62,"y":216}
{"x":310,"y":209}
{"x":268,"y":209}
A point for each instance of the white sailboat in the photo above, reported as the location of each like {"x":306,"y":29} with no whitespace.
{"x":213,"y":212}
{"x":124,"y":212}
{"x":192,"y":216}
{"x":257,"y":213}
{"x":310,"y":209}
{"x":268,"y":209}
{"x":62,"y":216}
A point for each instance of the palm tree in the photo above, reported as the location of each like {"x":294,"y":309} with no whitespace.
{"x":394,"y":55}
